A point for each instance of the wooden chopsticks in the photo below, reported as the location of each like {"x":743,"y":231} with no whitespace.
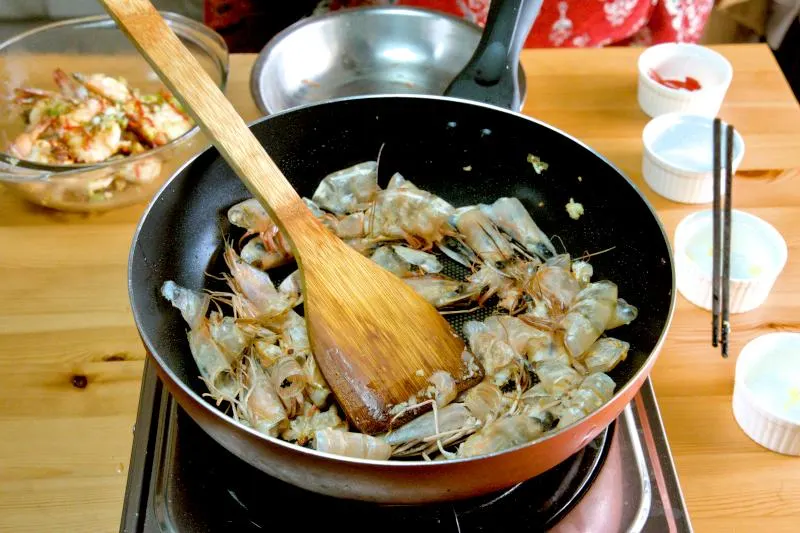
{"x":722,"y":239}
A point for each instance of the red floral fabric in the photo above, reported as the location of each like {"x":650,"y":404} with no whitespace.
{"x":583,"y":23}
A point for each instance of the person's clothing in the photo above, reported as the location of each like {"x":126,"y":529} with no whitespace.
{"x":564,"y":23}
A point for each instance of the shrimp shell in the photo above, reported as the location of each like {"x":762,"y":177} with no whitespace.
{"x":500,"y":435}
{"x":511,"y":216}
{"x":427,"y":262}
{"x":445,"y":387}
{"x":499,"y":361}
{"x":588,"y":316}
{"x":193,"y":305}
{"x":267,"y":352}
{"x":348,"y":190}
{"x":263,"y":409}
{"x":451,"y":418}
{"x":482,"y":236}
{"x":255,"y":285}
{"x":556,"y":285}
{"x":317,"y":389}
{"x":387,"y":259}
{"x":592,"y":394}
{"x":624,"y":314}
{"x":557,"y":378}
{"x":228,"y":335}
{"x":605,"y":354}
{"x":215,"y":369}
{"x":582,"y":271}
{"x":255,"y":253}
{"x":484,"y":401}
{"x":302,"y":429}
{"x":439,"y":290}
{"x":288,"y":377}
{"x":349,"y":444}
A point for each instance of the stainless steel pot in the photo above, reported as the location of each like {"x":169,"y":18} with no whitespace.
{"x":363,"y":51}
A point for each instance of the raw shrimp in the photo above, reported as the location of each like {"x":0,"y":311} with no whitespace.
{"x":605,"y":354}
{"x":588,"y":316}
{"x":500,"y":435}
{"x":511,"y":216}
{"x":358,"y":445}
{"x":302,"y":428}
{"x":482,"y":236}
{"x":261,"y":407}
{"x":348,"y":190}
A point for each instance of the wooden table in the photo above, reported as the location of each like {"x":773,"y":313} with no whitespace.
{"x":64,"y":450}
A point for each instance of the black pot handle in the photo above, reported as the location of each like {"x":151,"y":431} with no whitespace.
{"x":490,"y":76}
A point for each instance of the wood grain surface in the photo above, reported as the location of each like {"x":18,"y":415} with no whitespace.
{"x":65,"y":316}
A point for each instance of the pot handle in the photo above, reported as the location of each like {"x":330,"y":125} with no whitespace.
{"x":490,"y":76}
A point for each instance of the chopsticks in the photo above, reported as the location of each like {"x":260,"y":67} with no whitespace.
{"x":722,"y":239}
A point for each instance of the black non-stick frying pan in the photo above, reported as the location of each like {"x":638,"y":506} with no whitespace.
{"x":464,"y":152}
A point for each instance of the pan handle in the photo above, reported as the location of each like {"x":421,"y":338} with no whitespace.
{"x":490,"y":76}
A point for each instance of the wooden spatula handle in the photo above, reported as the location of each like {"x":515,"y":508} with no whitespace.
{"x":210,"y":109}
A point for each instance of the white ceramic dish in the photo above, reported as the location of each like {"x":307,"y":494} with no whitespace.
{"x":766,"y":391}
{"x":677,"y":61}
{"x":678,"y":156}
{"x":758,"y":256}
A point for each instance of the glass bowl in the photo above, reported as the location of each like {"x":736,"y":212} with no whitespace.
{"x":92,"y":45}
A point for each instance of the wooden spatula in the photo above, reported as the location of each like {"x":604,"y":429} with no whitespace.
{"x":375,"y":340}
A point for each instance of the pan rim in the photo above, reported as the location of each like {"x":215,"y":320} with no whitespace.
{"x":637,"y":377}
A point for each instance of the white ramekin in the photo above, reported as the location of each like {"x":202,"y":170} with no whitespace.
{"x":758,"y":256}
{"x":766,"y":391}
{"x":678,"y":60}
{"x":678,"y":156}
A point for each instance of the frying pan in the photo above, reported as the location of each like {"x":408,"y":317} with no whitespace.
{"x":463,"y":151}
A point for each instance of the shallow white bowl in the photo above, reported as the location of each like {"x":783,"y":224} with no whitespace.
{"x":766,"y":391}
{"x":677,"y":61}
{"x":758,"y":256}
{"x":678,"y":156}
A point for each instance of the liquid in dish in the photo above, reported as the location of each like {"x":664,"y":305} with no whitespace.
{"x":544,"y":350}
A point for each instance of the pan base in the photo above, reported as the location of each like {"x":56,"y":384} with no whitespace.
{"x":182,"y":480}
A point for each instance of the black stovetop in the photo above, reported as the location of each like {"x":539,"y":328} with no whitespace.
{"x":181,"y":480}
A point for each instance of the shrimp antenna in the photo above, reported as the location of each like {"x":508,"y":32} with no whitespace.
{"x":588,"y":255}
